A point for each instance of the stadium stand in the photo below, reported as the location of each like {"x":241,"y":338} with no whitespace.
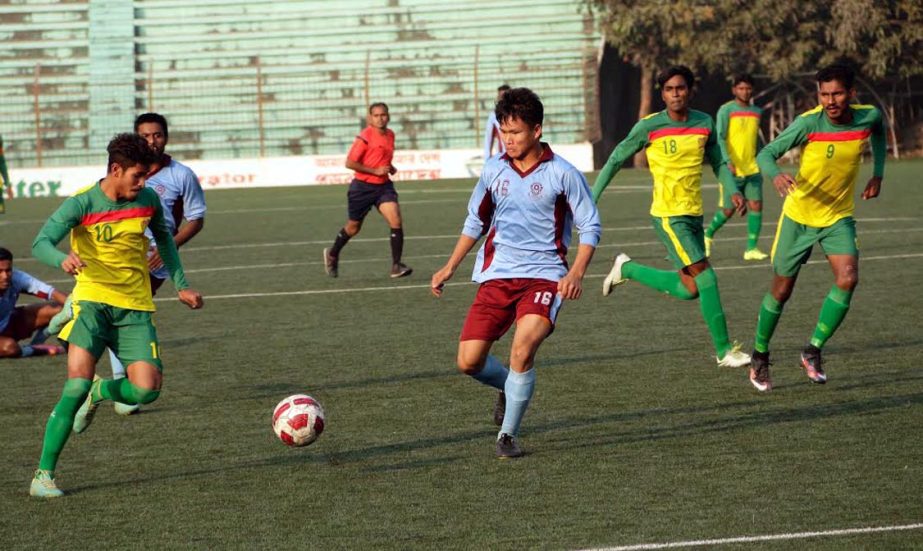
{"x":244,"y":79}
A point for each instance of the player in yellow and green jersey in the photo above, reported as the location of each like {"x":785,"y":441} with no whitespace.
{"x":4,"y":177}
{"x":738,"y":123}
{"x":677,"y":140}
{"x":112,"y":300}
{"x":818,"y":208}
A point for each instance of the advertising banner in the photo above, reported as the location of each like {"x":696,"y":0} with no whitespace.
{"x":311,"y":170}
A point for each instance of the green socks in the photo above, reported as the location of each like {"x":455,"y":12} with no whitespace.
{"x":754,"y":223}
{"x":831,"y":315}
{"x":710,"y":303}
{"x":61,"y":421}
{"x":770,"y":312}
{"x":716,"y":224}
{"x":662,"y":280}
{"x":122,"y":390}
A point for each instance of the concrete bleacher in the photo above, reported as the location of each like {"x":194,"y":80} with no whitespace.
{"x":436,"y":64}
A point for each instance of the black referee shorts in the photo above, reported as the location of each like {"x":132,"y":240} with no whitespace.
{"x":363,"y":196}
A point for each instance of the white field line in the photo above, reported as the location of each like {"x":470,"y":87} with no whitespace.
{"x":763,"y":266}
{"x":769,"y":537}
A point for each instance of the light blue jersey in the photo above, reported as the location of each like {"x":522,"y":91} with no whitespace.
{"x":528,"y":218}
{"x":181,"y":196}
{"x":21,"y":283}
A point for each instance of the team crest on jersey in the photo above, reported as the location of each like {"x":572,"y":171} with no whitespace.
{"x":536,"y":189}
{"x":160,"y":189}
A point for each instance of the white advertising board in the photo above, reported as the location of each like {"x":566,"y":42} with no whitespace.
{"x":285,"y":171}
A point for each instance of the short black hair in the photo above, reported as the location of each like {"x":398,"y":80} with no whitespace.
{"x":837,"y":71}
{"x":671,"y":72}
{"x":153,"y":117}
{"x":378,"y":104}
{"x":522,"y":104}
{"x":5,"y":254}
{"x":503,"y":87}
{"x":128,"y":150}
{"x":743,"y":77}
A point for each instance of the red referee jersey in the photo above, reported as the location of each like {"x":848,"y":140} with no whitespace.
{"x":373,"y":149}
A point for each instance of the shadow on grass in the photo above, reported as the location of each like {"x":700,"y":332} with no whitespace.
{"x":389,"y":455}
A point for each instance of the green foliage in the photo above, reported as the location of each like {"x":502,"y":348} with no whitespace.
{"x":775,"y":37}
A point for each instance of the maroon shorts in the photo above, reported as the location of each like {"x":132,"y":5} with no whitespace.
{"x":500,"y":302}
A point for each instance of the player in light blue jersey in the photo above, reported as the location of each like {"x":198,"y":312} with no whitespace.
{"x":526,"y":203}
{"x":182,"y":198}
{"x":21,"y":322}
{"x":492,"y":129}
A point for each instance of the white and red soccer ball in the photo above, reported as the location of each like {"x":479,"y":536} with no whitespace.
{"x":298,"y":420}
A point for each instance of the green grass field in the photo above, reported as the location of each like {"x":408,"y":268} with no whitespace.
{"x":634,"y":435}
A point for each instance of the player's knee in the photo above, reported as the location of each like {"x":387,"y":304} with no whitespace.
{"x":847,"y":281}
{"x":469,"y":365}
{"x":9,"y":348}
{"x":522,"y":354}
{"x":143,"y":395}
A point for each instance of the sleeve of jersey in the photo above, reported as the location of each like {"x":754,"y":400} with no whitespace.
{"x":45,"y":245}
{"x":167,"y":247}
{"x":634,"y":142}
{"x":488,"y":136}
{"x":879,"y":146}
{"x":358,"y":149}
{"x":718,"y":161}
{"x":721,"y":123}
{"x":31,"y":285}
{"x":193,"y":198}
{"x":791,"y":137}
{"x":480,"y":207}
{"x":586,"y":215}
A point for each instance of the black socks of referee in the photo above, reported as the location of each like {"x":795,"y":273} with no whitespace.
{"x":339,"y":242}
{"x":397,"y":244}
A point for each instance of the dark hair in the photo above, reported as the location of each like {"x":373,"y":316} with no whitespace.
{"x":5,"y":254}
{"x":128,"y":150}
{"x":838,"y":71}
{"x":671,"y":72}
{"x":743,"y":77}
{"x":153,"y":117}
{"x":522,"y":104}
{"x":378,"y":104}
{"x":503,"y":88}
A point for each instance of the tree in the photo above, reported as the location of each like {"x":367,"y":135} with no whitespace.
{"x":650,"y":35}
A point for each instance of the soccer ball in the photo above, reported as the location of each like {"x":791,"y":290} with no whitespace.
{"x":298,"y":420}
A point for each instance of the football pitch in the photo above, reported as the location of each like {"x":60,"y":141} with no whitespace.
{"x":633,"y":437}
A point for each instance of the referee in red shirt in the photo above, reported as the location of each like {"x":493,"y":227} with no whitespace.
{"x":370,"y":156}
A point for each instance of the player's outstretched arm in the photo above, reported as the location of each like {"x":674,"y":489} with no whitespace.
{"x":462,"y":247}
{"x":634,"y":142}
{"x":720,"y":166}
{"x":793,"y":136}
{"x":879,"y":153}
{"x":191,"y":298}
{"x":44,"y":247}
{"x":570,"y":287}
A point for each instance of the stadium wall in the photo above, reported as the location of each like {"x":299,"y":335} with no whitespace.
{"x":254,"y":79}
{"x":413,"y":165}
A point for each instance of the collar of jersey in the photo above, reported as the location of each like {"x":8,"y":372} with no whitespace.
{"x":547,"y":155}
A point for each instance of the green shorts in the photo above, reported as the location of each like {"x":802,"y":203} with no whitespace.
{"x":684,"y":238}
{"x":129,"y":333}
{"x":750,"y":186}
{"x":794,"y":243}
